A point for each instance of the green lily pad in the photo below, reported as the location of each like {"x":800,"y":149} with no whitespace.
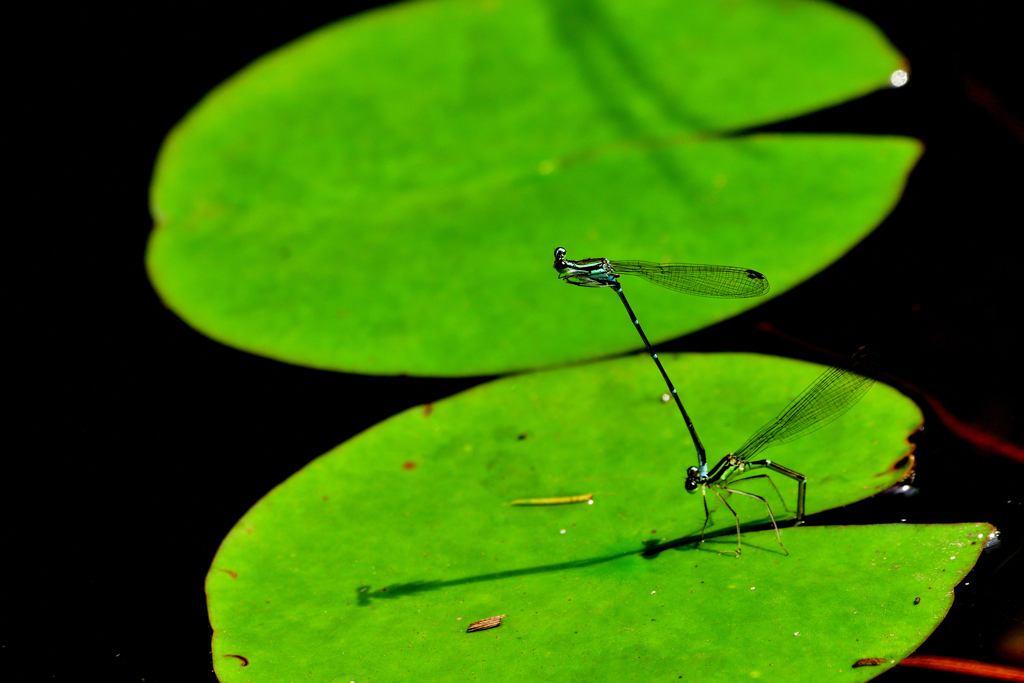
{"x":371,"y":562}
{"x":385,"y":194}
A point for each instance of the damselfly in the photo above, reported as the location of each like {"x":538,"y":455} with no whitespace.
{"x":831,"y":395}
{"x":688,"y":278}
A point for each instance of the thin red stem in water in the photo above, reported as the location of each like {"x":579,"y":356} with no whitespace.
{"x":968,"y":667}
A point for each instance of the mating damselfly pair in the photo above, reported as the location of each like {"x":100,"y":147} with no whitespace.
{"x":826,"y":399}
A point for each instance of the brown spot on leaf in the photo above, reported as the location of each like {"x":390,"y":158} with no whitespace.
{"x":428,"y":408}
{"x":409,"y":465}
{"x":230,"y":573}
{"x":245,"y":662}
{"x":484,"y":624}
{"x":870,"y":661}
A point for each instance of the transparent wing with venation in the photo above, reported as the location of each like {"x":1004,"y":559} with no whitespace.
{"x":831,"y":395}
{"x":727,"y":282}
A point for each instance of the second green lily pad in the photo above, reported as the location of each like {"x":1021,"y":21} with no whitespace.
{"x":370,"y":563}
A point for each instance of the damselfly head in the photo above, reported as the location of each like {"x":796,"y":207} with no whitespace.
{"x":692,"y":479}
{"x":560,"y":264}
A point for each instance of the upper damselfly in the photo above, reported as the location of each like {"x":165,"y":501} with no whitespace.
{"x":688,"y":278}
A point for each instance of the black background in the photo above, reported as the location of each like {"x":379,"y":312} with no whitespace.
{"x":137,"y":443}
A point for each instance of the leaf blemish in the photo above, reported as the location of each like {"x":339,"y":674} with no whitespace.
{"x":243,"y":660}
{"x":484,"y":624}
{"x":869,"y":661}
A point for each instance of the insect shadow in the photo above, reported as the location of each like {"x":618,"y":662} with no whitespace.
{"x":366,"y":594}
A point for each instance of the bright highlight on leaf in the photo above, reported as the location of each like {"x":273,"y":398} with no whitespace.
{"x":359,"y":568}
{"x":384,"y":194}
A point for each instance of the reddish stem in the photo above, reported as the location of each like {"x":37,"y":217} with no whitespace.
{"x":964,"y":666}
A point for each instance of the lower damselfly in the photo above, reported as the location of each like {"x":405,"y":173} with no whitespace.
{"x":688,"y":278}
{"x":831,"y":395}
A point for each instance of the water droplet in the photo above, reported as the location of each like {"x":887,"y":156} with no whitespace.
{"x":899,"y":78}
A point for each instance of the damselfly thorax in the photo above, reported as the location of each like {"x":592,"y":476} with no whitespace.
{"x":588,"y":272}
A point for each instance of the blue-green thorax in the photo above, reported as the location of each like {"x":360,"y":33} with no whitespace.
{"x":588,"y":272}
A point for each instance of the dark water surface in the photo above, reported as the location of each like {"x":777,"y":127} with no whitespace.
{"x":123,"y":489}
